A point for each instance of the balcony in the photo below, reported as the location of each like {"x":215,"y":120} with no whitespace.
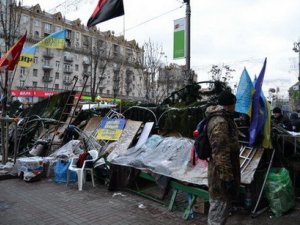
{"x":68,"y":58}
{"x":47,"y":66}
{"x":68,"y":70}
{"x":47,"y":79}
{"x":67,"y":82}
{"x":86,"y":61}
{"x":86,"y":73}
{"x":48,"y":54}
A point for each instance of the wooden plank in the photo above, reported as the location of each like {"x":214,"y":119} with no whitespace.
{"x":92,"y":125}
{"x":247,"y":175}
{"x":128,"y":134}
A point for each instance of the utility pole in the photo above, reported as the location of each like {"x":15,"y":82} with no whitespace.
{"x":297,"y":50}
{"x":188,"y":41}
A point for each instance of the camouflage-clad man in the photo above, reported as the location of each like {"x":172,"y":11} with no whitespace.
{"x":224,"y":165}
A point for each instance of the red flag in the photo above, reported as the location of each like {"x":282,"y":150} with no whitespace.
{"x":106,"y":10}
{"x":11,"y":58}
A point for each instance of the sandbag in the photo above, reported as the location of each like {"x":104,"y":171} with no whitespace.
{"x":279,"y":191}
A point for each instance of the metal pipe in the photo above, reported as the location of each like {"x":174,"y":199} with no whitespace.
{"x":263,"y":186}
{"x":188,"y":42}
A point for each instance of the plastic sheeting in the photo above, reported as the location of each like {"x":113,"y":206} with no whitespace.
{"x":168,"y":156}
{"x":69,"y":150}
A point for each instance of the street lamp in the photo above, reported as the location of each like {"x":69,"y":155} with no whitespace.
{"x":297,"y":49}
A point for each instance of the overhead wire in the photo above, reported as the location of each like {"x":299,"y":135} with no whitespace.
{"x":151,"y":19}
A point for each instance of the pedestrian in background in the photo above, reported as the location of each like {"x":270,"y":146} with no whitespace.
{"x":295,"y":122}
{"x":280,"y":120}
{"x":224,"y":165}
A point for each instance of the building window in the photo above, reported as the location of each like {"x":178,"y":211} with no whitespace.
{"x":47,"y":73}
{"x":46,"y":62}
{"x":56,"y":75}
{"x":47,"y":28}
{"x":34,"y":84}
{"x":36,"y":35}
{"x":35,"y":60}
{"x":67,"y":78}
{"x":68,"y":67}
{"x":22,"y":71}
{"x":68,"y":34}
{"x":107,"y":92}
{"x":36,"y":23}
{"x":22,"y":83}
{"x":116,"y":50}
{"x":76,"y":67}
{"x":35,"y":72}
{"x":57,"y":64}
{"x":56,"y":86}
{"x":24,"y":19}
{"x":77,"y":35}
{"x":46,"y":85}
{"x":85,"y":41}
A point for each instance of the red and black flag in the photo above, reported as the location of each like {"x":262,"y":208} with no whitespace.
{"x":106,"y":10}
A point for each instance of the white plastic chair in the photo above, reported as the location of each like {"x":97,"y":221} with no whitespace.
{"x":81,"y":172}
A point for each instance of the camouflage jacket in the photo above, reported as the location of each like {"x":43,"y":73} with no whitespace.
{"x":224,"y":165}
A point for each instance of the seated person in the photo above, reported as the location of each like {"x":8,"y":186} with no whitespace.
{"x":279,"y":119}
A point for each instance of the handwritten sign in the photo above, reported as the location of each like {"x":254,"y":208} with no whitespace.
{"x":110,"y":129}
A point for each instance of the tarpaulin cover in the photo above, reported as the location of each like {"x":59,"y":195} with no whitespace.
{"x":169,"y":156}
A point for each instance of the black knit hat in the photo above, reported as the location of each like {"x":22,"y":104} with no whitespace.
{"x":276,"y":110}
{"x":226,"y":98}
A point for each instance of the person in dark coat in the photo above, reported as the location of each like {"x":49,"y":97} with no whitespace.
{"x":295,"y":122}
{"x":278,"y":119}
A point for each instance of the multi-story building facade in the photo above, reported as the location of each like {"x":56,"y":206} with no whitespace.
{"x":110,"y":63}
{"x":172,"y":78}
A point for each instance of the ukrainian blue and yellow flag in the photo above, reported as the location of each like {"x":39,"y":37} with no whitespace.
{"x":54,"y":40}
{"x":26,"y":58}
{"x":244,"y":94}
{"x":257,"y":110}
{"x":267,"y":142}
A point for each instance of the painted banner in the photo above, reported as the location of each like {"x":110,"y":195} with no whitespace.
{"x":110,"y":129}
{"x":179,"y":39}
{"x":32,"y":93}
{"x":26,"y":58}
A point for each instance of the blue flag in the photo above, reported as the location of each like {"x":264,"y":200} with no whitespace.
{"x":244,"y":94}
{"x":255,"y":127}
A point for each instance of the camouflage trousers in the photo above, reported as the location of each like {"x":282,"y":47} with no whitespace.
{"x":218,"y":212}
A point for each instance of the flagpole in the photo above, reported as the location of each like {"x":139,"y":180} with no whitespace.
{"x":124,"y":26}
{"x":188,"y":41}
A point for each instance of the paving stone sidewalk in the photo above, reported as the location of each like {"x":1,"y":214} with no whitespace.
{"x":47,"y":203}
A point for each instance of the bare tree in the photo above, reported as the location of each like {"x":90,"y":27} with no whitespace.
{"x":99,"y":58}
{"x":10,"y":17}
{"x":221,"y":73}
{"x":151,"y":63}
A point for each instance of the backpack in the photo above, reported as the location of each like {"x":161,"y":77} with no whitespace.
{"x":201,"y":144}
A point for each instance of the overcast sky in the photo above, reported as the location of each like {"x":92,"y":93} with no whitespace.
{"x":239,"y":33}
